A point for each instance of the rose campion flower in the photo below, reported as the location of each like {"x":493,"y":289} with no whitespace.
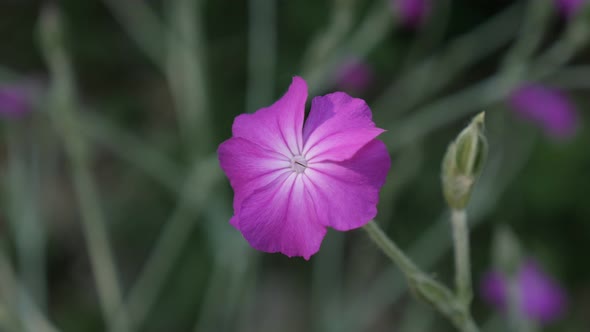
{"x":354,"y":75}
{"x":547,"y":107}
{"x":412,"y":13}
{"x":541,"y":299}
{"x":14,"y":100}
{"x":569,"y":8}
{"x":292,"y":179}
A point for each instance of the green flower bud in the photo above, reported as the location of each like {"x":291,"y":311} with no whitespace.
{"x":50,"y":27}
{"x":463,"y":163}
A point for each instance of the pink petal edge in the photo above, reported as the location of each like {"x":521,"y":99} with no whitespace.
{"x":347,"y":192}
{"x":279,"y":126}
{"x":337,"y":127}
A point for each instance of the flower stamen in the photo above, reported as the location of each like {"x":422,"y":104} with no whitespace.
{"x":298,"y":164}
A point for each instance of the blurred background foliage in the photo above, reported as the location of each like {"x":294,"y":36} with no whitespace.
{"x":154,"y":88}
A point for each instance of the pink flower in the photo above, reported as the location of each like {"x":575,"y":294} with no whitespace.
{"x":14,"y":100}
{"x":547,"y":107}
{"x":292,"y":179}
{"x":412,"y":13}
{"x":354,"y":75}
{"x":540,"y":298}
{"x":569,"y":8}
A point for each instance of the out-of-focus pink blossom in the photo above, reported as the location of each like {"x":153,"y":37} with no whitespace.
{"x":412,"y":13}
{"x":354,"y":75}
{"x":569,"y":8}
{"x":541,"y":299}
{"x":14,"y":100}
{"x":547,"y":107}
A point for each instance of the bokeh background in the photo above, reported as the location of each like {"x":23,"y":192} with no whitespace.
{"x":111,"y":192}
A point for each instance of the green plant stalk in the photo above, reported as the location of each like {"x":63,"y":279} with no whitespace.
{"x":142,"y":25}
{"x":185,"y":73}
{"x":490,"y":90}
{"x":417,"y":83}
{"x":148,"y":285}
{"x":462,"y":260}
{"x":29,"y":232}
{"x":428,"y":36}
{"x":262,"y":53}
{"x":430,"y":247}
{"x":64,"y":118}
{"x":31,"y":317}
{"x":375,"y":27}
{"x":132,"y":149}
{"x":537,"y":18}
{"x":324,"y":44}
{"x":439,"y":296}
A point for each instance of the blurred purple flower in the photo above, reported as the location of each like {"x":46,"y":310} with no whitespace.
{"x":547,"y":107}
{"x":569,"y":7}
{"x":354,"y":75}
{"x":541,"y":298}
{"x":14,"y":100}
{"x":412,"y":13}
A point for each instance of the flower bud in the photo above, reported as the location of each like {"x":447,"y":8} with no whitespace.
{"x":463,"y":163}
{"x":50,"y":27}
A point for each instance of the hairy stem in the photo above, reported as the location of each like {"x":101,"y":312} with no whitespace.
{"x":462,"y":265}
{"x":425,"y":287}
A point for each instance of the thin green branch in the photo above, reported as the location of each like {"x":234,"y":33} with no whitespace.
{"x":177,"y":231}
{"x":462,"y":257}
{"x":262,"y":53}
{"x":418,"y":83}
{"x":424,"y":286}
{"x":63,"y":117}
{"x":185,"y":73}
{"x":14,"y":298}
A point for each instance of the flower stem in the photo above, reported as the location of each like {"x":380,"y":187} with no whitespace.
{"x":62,"y":110}
{"x":462,"y":265}
{"x":390,"y":249}
{"x":422,"y":284}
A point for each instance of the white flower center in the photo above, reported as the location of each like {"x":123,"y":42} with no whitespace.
{"x":298,"y":164}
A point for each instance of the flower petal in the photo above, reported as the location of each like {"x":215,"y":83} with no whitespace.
{"x":249,"y":167}
{"x":279,"y":126}
{"x":548,"y":107}
{"x":337,"y":127}
{"x":346,"y":193}
{"x":281,"y":217}
{"x":493,"y":289}
{"x":14,"y":100}
{"x":542,"y":298}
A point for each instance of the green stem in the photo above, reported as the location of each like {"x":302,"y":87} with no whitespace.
{"x":65,"y":120}
{"x":262,"y":53}
{"x":462,"y":265}
{"x":148,"y":286}
{"x":537,"y":18}
{"x":439,"y":296}
{"x":418,"y":84}
{"x":375,"y":27}
{"x":142,"y":25}
{"x":18,"y":311}
{"x":185,"y":73}
{"x":390,"y":249}
{"x":29,"y":233}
